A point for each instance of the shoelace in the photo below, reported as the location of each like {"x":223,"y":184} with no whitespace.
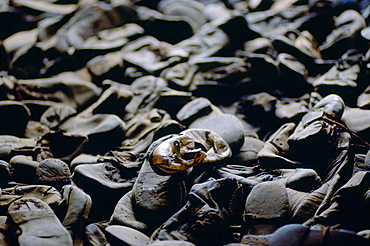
{"x":341,"y":126}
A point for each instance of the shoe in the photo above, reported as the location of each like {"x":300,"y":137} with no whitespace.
{"x":347,"y":28}
{"x":248,"y":152}
{"x":78,"y":205}
{"x":180,"y":76}
{"x":95,"y":235}
{"x":23,"y":169}
{"x":55,"y":114}
{"x":122,"y":235}
{"x":291,"y":109}
{"x":5,"y":174}
{"x":190,"y":10}
{"x":266,"y":208}
{"x":113,"y":100}
{"x":16,"y":117}
{"x":197,"y":108}
{"x":356,"y":119}
{"x":64,"y":88}
{"x":11,"y":146}
{"x":176,"y":153}
{"x":94,"y":129}
{"x":89,"y":19}
{"x":53,"y":172}
{"x":124,"y":214}
{"x":276,"y":148}
{"x":156,"y":25}
{"x":146,"y":91}
{"x":48,"y":7}
{"x":100,"y":180}
{"x":347,"y":78}
{"x":38,"y":223}
{"x":211,"y":208}
{"x":292,"y":81}
{"x":228,"y":126}
{"x":146,"y":127}
{"x":302,"y":46}
{"x":297,"y":234}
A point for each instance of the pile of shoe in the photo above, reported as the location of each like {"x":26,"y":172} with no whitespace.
{"x":184,"y":122}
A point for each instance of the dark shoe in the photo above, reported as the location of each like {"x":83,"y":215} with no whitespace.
{"x":206,"y":218}
{"x":297,"y":234}
{"x":11,"y":146}
{"x":65,"y":88}
{"x":5,"y":173}
{"x":347,"y":78}
{"x":95,"y":235}
{"x":55,"y":114}
{"x":15,"y":118}
{"x":303,"y":47}
{"x":274,"y":153}
{"x":156,"y":24}
{"x":248,"y":152}
{"x":356,"y":119}
{"x":293,"y":77}
{"x":344,"y":36}
{"x":53,"y":172}
{"x":78,"y":205}
{"x":146,"y":91}
{"x":90,"y":19}
{"x":147,"y":127}
{"x":228,"y":126}
{"x":154,"y":62}
{"x":266,"y":208}
{"x":99,"y":180}
{"x":124,"y":214}
{"x":94,"y":129}
{"x":24,"y":169}
{"x":113,"y":100}
{"x":291,"y":109}
{"x":38,"y":223}
{"x":192,"y":11}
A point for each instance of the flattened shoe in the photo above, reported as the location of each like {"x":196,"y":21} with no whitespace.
{"x":54,"y":172}
{"x":171,"y":243}
{"x":297,"y":234}
{"x":291,"y":109}
{"x":95,"y":128}
{"x":38,"y":223}
{"x":146,"y":127}
{"x":24,"y":169}
{"x":118,"y":235}
{"x":102,"y":180}
{"x":274,"y":152}
{"x":348,"y":26}
{"x":347,"y":78}
{"x":146,"y":90}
